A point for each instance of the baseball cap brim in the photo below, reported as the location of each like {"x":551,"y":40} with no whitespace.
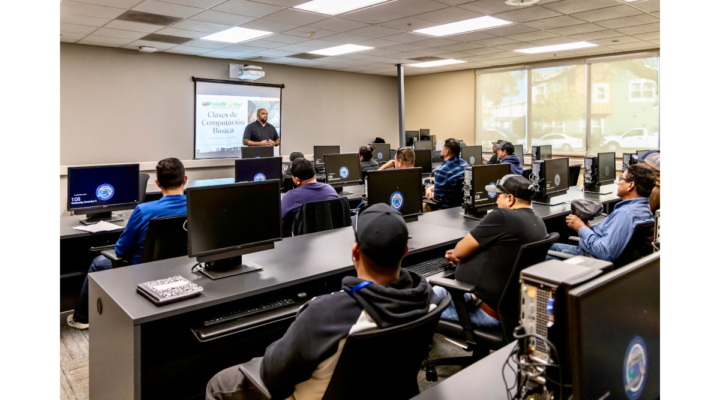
{"x":495,"y":189}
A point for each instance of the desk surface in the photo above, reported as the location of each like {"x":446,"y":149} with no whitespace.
{"x":67,"y":223}
{"x":356,"y":190}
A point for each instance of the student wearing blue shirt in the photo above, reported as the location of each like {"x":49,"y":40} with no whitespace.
{"x":447,"y":190}
{"x":608,"y":239}
{"x":307,"y":190}
{"x":171,"y":180}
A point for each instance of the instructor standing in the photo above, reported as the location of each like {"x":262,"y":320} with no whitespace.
{"x":260,"y":132}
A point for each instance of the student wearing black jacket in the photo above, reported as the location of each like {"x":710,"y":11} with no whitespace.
{"x":300,"y":365}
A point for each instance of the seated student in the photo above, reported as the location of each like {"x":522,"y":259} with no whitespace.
{"x":404,"y":158}
{"x":494,"y":245}
{"x":293,"y":156}
{"x":608,"y":239}
{"x":366,"y":161}
{"x":506,"y":154}
{"x":301,"y":364}
{"x":307,"y":190}
{"x":651,"y":160}
{"x":495,"y":148}
{"x":448,"y":177}
{"x":171,"y":180}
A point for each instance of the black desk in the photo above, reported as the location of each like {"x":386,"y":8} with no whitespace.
{"x":138,"y":349}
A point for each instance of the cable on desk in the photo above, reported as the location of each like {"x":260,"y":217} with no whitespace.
{"x":193,"y":267}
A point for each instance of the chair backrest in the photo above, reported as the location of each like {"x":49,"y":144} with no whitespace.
{"x":287,"y":184}
{"x":389,"y":358}
{"x":321,"y":216}
{"x":142,"y":187}
{"x":573,"y":174}
{"x":526,"y":173}
{"x":639,"y":246}
{"x":166,"y":238}
{"x":508,"y":305}
{"x":363,"y":175}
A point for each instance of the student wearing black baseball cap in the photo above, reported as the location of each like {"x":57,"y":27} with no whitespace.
{"x":307,"y":189}
{"x":485,"y":257}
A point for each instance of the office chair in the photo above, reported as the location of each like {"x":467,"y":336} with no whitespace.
{"x":526,"y":173}
{"x":363,"y":175}
{"x":396,"y":353}
{"x":287,"y":184}
{"x":640,"y":245}
{"x":321,"y":216}
{"x":166,"y":238}
{"x":573,"y":174}
{"x":480,"y":342}
{"x":142,"y":187}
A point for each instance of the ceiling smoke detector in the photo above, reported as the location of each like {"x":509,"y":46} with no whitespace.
{"x":521,"y":2}
{"x":147,"y":49}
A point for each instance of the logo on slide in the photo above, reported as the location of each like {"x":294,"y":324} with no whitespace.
{"x":344,"y":172}
{"x":380,"y":156}
{"x":397,"y":200}
{"x":492,"y":195}
{"x":635,"y":368}
{"x":472,"y":160}
{"x":557,"y":179}
{"x":259,"y":177}
{"x":105,"y":192}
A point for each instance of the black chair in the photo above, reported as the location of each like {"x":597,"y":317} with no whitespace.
{"x":573,"y":174}
{"x":166,"y":238}
{"x":526,"y":173}
{"x":321,"y":216}
{"x":287,"y":184}
{"x":142,"y":187}
{"x":363,"y":175}
{"x":640,"y":245}
{"x":480,"y":342}
{"x":396,"y":353}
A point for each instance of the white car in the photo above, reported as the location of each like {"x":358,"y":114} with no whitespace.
{"x":559,"y":141}
{"x":637,"y":138}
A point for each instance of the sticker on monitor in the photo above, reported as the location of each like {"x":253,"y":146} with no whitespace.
{"x":379,"y":155}
{"x":635,"y":368}
{"x":260,"y":177}
{"x":105,"y":192}
{"x":397,"y":200}
{"x":472,"y":160}
{"x":557,"y":180}
{"x":344,"y":172}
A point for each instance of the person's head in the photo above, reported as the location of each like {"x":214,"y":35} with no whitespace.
{"x":496,"y":145}
{"x":296,"y":154}
{"x":636,"y":181}
{"x":513,"y":191}
{"x":505,"y":149}
{"x":170,"y":173}
{"x":366,"y":152}
{"x":404,"y":158}
{"x":450,"y":149}
{"x":651,"y":161}
{"x":381,"y":238}
{"x":262,"y":115}
{"x":302,"y":171}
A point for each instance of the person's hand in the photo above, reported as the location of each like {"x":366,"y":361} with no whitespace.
{"x":389,"y":164}
{"x":574,"y":222}
{"x":268,"y":142}
{"x":452,"y":258}
{"x":429,"y":193}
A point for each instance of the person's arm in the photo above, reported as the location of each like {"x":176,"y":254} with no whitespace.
{"x":389,"y":164}
{"x":439,"y":188}
{"x":618,"y":229}
{"x":128,"y":238}
{"x":483,"y":235}
{"x":276,"y":138}
{"x":248,"y":135}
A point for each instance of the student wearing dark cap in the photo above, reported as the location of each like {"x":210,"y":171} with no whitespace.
{"x":495,"y":148}
{"x":300,"y":365}
{"x":293,"y":156}
{"x":485,"y":257}
{"x":307,"y":190}
{"x":506,"y":154}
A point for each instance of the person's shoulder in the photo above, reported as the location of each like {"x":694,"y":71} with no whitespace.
{"x":323,"y":307}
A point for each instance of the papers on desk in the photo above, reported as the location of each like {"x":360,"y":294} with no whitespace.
{"x":169,"y":290}
{"x":101,"y":226}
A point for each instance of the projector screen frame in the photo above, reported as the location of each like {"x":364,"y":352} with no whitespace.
{"x":196,"y":79}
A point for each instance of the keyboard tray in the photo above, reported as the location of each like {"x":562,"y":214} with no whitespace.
{"x":207,"y":333}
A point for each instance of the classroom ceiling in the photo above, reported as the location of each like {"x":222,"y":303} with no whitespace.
{"x":176,"y":26}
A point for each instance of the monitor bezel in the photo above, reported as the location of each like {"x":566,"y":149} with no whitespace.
{"x":242,"y":152}
{"x":315,"y":152}
{"x":346,"y":183}
{"x":416,"y":163}
{"x":370,"y":173}
{"x":376,"y":147}
{"x":105,"y":208}
{"x":472,"y":186}
{"x":567,"y":160}
{"x":241,"y":160}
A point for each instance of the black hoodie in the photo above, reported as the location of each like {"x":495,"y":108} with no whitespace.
{"x":300,"y":364}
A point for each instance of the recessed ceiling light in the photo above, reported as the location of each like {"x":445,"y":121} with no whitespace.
{"x":237,"y":35}
{"x":335,"y":7}
{"x":337,"y":50}
{"x":469,"y":25}
{"x":147,"y":49}
{"x":438,"y":63}
{"x":556,"y":47}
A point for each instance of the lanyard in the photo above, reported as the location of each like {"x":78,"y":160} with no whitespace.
{"x":358,"y":287}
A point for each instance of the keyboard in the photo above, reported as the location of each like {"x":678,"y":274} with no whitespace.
{"x":597,"y":220}
{"x":248,"y":311}
{"x":430,"y":267}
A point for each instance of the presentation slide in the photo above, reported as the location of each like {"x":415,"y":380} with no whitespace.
{"x":224,"y":110}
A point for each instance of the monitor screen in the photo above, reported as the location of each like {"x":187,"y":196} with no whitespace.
{"x":411,"y":136}
{"x":381,"y":154}
{"x":472,"y":155}
{"x":556,"y":174}
{"x":483,"y":175}
{"x":423,"y":159}
{"x":545,"y":152}
{"x":423,"y":145}
{"x":606,"y":167}
{"x":424,"y":133}
{"x":257,"y":151}
{"x":103,"y":187}
{"x":342,"y":168}
{"x":258,"y":169}
{"x":519,"y":150}
{"x":320,"y":151}
{"x":230,"y":217}
{"x":401,"y":189}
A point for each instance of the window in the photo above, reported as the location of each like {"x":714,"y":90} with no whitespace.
{"x":597,"y":126}
{"x":501,"y":107}
{"x":601,"y":93}
{"x":642,"y":90}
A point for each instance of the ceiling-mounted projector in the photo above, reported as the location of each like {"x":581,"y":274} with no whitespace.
{"x":251,"y":72}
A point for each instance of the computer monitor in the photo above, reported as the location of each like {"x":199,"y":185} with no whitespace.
{"x":381,"y":154}
{"x":411,"y":137}
{"x":641,"y":153}
{"x":258,"y":169}
{"x":519,"y":151}
{"x":320,"y":151}
{"x":424,"y":133}
{"x":225,"y":222}
{"x":423,"y":159}
{"x":422,"y":145}
{"x":98,"y":191}
{"x":342,"y":170}
{"x":401,"y":189}
{"x":606,"y":168}
{"x":617,"y":354}
{"x":556,"y":175}
{"x":541,"y":152}
{"x":257,"y":151}
{"x":472,"y":155}
{"x":482,"y":175}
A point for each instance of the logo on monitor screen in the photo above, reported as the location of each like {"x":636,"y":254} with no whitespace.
{"x":557,"y":179}
{"x":472,"y":160}
{"x":105,"y":192}
{"x":344,"y":172}
{"x":492,"y":195}
{"x":259,"y":177}
{"x":397,"y":200}
{"x":607,"y":170}
{"x":635,"y":368}
{"x":380,"y":156}
{"x":258,"y":157}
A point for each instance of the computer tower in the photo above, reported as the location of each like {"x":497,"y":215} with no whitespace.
{"x":591,"y":178}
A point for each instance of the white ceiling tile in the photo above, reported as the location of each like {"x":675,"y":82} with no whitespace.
{"x":414,"y":24}
{"x":448,"y":15}
{"x":434,"y":42}
{"x":220,"y":54}
{"x":597,"y":35}
{"x":551,"y":41}
{"x":297,"y":48}
{"x":493,"y":42}
{"x":243,"y":49}
{"x":71,"y":37}
{"x":303,"y":32}
{"x":337,"y":25}
{"x":134,"y":26}
{"x":655,"y":42}
{"x":648,"y":6}
{"x":221,"y":18}
{"x":276,"y":53}
{"x":509,"y":30}
{"x":266,"y":44}
{"x":120,"y":34}
{"x":411,"y":7}
{"x":89,"y":10}
{"x":125,"y":4}
{"x":173,"y":10}
{"x":287,"y":39}
{"x":628,"y":21}
{"x":556,"y":22}
{"x":270,"y":26}
{"x":104,"y":41}
{"x":199,"y":26}
{"x":632,"y":30}
{"x":405,"y":47}
{"x":379,"y":52}
{"x":372,"y":15}
{"x":424,"y":52}
{"x":470,"y":37}
{"x":82,"y":20}
{"x":406,"y":37}
{"x":72,"y":28}
{"x":375,"y":32}
{"x":296,"y":17}
{"x":158,"y":45}
{"x":377,"y":43}
{"x":526,"y":37}
{"x":514,"y":46}
{"x":607,"y":13}
{"x":576,"y":29}
{"x":657,"y":14}
{"x":576,"y":6}
{"x":488,"y":6}
{"x":248,"y":8}
{"x":207,"y":44}
{"x":484,"y":50}
{"x":455,"y":55}
{"x":631,"y":46}
{"x":615,"y":41}
{"x":315,"y":45}
{"x":172,"y":31}
{"x":346,"y":38}
{"x":527,"y":14}
{"x":461,"y":47}
{"x":196,"y":3}
{"x":283,"y":3}
{"x":182,"y":49}
{"x":648,"y":36}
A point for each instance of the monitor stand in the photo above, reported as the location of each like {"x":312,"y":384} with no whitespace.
{"x":228,"y":267}
{"x":545,"y":200}
{"x":411,"y":218}
{"x":475,"y":213}
{"x":92,"y":219}
{"x":595,"y":189}
{"x":339,"y":190}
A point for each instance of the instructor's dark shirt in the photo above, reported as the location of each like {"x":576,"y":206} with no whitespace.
{"x":255,"y":132}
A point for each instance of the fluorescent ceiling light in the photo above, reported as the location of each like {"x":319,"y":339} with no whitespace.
{"x":237,"y":35}
{"x":337,"y":50}
{"x":469,"y":25}
{"x":437,"y":63}
{"x":557,"y":47}
{"x":335,"y":7}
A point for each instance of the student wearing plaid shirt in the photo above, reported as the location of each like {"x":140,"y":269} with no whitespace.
{"x":447,"y":191}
